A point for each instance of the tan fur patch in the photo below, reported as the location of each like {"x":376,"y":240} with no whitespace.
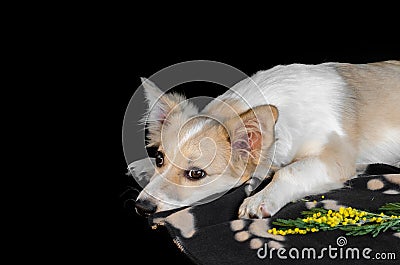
{"x":256,"y":243}
{"x":237,"y":225}
{"x":310,"y":205}
{"x":332,"y":205}
{"x":394,"y":178}
{"x":396,"y":235}
{"x":175,"y":175}
{"x":372,"y":106}
{"x":260,"y":227}
{"x":242,"y":236}
{"x":375,"y":184}
{"x":184,"y":221}
{"x":275,"y":245}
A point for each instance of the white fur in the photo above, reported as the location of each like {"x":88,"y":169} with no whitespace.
{"x":291,"y":88}
{"x":384,"y":151}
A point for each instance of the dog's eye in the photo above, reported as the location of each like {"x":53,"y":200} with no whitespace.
{"x":195,"y":173}
{"x":159,"y":159}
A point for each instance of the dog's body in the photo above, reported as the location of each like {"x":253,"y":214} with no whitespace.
{"x":311,"y":123}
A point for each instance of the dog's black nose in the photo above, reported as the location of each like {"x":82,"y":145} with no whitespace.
{"x":145,"y":207}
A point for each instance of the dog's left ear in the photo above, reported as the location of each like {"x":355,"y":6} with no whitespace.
{"x":160,"y":106}
{"x":251,"y":131}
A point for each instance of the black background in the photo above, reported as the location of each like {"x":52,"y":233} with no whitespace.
{"x":125,"y":237}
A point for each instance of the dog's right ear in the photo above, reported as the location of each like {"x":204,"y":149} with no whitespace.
{"x":251,"y":131}
{"x":160,"y":106}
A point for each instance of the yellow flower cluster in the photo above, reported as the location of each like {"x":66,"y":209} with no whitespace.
{"x":295,"y":231}
{"x":345,"y":216}
{"x":342,"y":217}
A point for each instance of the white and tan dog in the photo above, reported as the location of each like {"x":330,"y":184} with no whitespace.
{"x":312,"y":124}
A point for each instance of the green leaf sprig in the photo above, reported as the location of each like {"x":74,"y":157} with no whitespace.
{"x":355,"y":222}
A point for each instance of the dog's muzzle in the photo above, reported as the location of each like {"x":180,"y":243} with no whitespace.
{"x":145,"y":207}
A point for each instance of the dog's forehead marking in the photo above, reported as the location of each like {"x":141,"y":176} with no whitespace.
{"x":194,"y":130}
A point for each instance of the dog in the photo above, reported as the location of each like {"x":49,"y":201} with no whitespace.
{"x":308,"y":126}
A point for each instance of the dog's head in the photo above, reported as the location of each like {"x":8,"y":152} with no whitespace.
{"x":201,"y":155}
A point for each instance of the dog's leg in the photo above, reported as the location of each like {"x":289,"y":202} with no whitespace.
{"x":311,"y":175}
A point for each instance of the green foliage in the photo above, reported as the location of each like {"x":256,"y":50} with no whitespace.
{"x":354,"y":222}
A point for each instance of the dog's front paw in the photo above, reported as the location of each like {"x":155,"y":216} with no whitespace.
{"x":255,"y":206}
